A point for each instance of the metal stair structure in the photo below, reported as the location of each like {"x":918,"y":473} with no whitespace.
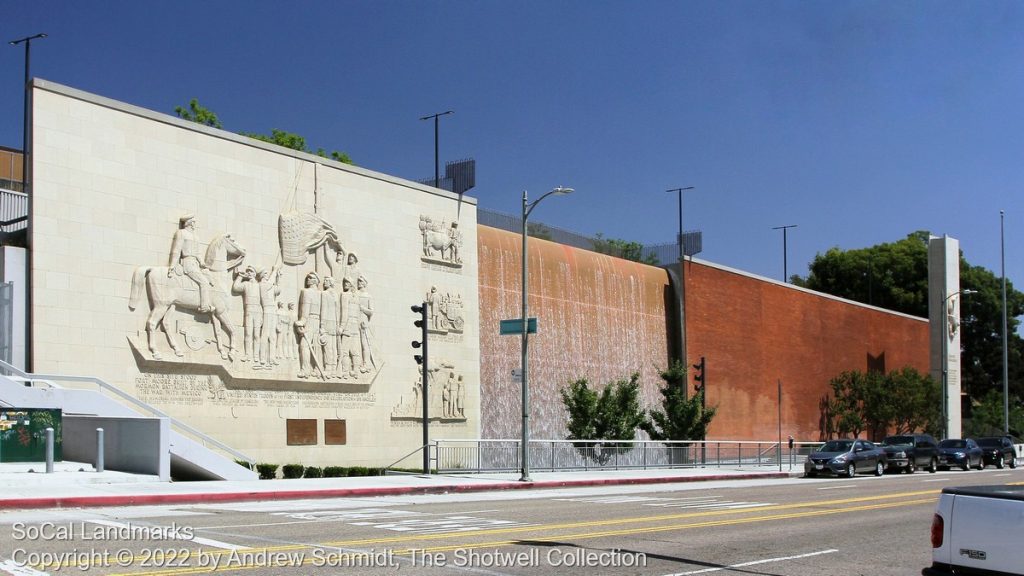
{"x":193,"y":454}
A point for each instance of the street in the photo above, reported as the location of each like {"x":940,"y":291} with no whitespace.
{"x":797,"y":526}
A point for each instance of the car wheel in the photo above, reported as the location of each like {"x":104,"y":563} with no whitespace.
{"x":981,"y":464}
{"x":933,"y":465}
{"x":851,"y":470}
{"x":1013,"y":462}
{"x":879,"y":468}
{"x":999,"y":461}
{"x":811,"y":474}
{"x":911,"y":466}
{"x":966,"y":465}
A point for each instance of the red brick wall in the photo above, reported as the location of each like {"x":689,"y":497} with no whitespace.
{"x":754,"y":333}
{"x":603,"y":318}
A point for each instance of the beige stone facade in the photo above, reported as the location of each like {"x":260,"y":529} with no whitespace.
{"x":118,"y":264}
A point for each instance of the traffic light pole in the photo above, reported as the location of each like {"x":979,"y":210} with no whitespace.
{"x":425,"y":393}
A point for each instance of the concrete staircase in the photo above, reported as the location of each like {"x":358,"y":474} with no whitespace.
{"x":138,"y":437}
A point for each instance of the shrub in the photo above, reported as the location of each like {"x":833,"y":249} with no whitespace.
{"x":293,"y":470}
{"x":267,"y":471}
{"x":335,"y":472}
{"x":358,"y":471}
{"x":313,"y":472}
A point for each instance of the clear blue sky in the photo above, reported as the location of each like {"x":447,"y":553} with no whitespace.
{"x":860,"y":122}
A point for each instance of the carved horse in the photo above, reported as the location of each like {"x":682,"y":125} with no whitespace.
{"x":168,"y":290}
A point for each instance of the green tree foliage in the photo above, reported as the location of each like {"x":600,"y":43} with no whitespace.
{"x":987,"y":417}
{"x":598,"y":419}
{"x":895,"y":276}
{"x":202,"y":115}
{"x":623,"y":249}
{"x":536,"y":230}
{"x":198,"y":114}
{"x":899,"y":402}
{"x":682,"y":417}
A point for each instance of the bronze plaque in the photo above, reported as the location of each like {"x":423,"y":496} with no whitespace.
{"x":334,"y":432}
{"x":302,"y":432}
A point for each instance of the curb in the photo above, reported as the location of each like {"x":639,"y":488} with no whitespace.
{"x":151,"y":499}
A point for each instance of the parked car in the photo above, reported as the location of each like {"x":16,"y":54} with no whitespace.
{"x":846,"y":457}
{"x":998,"y":450}
{"x":962,"y":452}
{"x":908,"y":452}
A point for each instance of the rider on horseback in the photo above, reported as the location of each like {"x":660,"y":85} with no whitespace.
{"x":185,"y":259}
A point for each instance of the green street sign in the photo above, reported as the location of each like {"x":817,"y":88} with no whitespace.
{"x":515,"y":326}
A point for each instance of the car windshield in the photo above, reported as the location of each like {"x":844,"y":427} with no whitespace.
{"x":898,"y":441}
{"x":952,"y":444}
{"x":837,"y":446}
{"x":989,"y":442}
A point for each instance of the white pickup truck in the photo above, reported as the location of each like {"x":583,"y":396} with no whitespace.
{"x":978,"y":530}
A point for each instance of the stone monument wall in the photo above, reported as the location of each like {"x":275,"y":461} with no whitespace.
{"x":259,"y":294}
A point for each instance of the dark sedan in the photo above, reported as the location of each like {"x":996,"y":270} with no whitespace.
{"x":998,"y":450}
{"x":846,"y":457}
{"x":964,"y":453}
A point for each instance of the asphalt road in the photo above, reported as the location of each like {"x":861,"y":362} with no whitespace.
{"x":866,"y":525}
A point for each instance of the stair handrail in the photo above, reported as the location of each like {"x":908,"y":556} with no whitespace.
{"x":132,"y":400}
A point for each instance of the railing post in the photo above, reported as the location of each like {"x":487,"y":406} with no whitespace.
{"x":49,"y":450}
{"x":100,"y":464}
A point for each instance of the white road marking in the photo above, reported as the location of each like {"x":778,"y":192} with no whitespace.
{"x":754,"y":563}
{"x":937,"y":480}
{"x":171,"y":535}
{"x":838,"y":487}
{"x":10,"y":567}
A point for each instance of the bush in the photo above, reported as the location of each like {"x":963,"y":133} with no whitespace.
{"x":267,"y":471}
{"x":335,"y":472}
{"x":358,"y":471}
{"x":293,"y":470}
{"x":313,"y":472}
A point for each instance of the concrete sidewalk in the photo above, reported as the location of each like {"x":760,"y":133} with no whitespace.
{"x":70,"y":487}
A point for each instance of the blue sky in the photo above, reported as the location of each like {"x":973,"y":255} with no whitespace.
{"x":859,"y":122}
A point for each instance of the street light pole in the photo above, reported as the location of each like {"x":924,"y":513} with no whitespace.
{"x":945,"y":355}
{"x":524,"y":446}
{"x":785,"y":250}
{"x":1006,"y":363}
{"x":25,"y":187}
{"x":437,"y":170}
{"x":680,"y":237}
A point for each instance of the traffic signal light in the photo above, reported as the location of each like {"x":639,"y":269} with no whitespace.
{"x":421,"y":309}
{"x":698,"y":375}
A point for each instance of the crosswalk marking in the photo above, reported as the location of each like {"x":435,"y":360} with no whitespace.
{"x":696,"y":502}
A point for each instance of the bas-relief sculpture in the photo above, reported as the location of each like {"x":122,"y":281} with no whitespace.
{"x":325,"y":334}
{"x":329,"y":338}
{"x":447,"y":390}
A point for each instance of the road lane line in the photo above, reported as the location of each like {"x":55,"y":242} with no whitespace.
{"x":755,"y":563}
{"x":15,"y":569}
{"x":838,"y":487}
{"x":170,"y":534}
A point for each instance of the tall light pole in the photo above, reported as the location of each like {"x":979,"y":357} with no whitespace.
{"x":437,"y":172}
{"x":945,"y":355}
{"x":525,"y":442}
{"x":1006,"y":358}
{"x":679,"y":239}
{"x":25,"y":135}
{"x":785,"y":250}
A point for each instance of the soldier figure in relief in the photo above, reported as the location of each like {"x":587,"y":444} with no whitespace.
{"x":351,"y":348}
{"x":185,"y":259}
{"x":329,"y":326}
{"x":247,"y":285}
{"x":269,"y":290}
{"x":308,"y":326}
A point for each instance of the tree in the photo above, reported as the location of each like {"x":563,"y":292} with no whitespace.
{"x":202,"y":115}
{"x":597,"y":420}
{"x":902,"y":401}
{"x":198,"y":114}
{"x":623,"y":249}
{"x":682,"y":417}
{"x":895,"y":276}
{"x":987,"y":416}
{"x":537,"y":230}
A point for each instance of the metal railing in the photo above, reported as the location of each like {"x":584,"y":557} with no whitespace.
{"x":479,"y":455}
{"x":182,"y":428}
{"x":13,"y":210}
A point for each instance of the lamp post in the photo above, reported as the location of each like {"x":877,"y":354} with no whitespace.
{"x":525,"y":441}
{"x":785,"y":251}
{"x":437,"y":173}
{"x":945,"y":355}
{"x":1006,"y":363}
{"x":25,"y":135}
{"x":680,"y":238}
